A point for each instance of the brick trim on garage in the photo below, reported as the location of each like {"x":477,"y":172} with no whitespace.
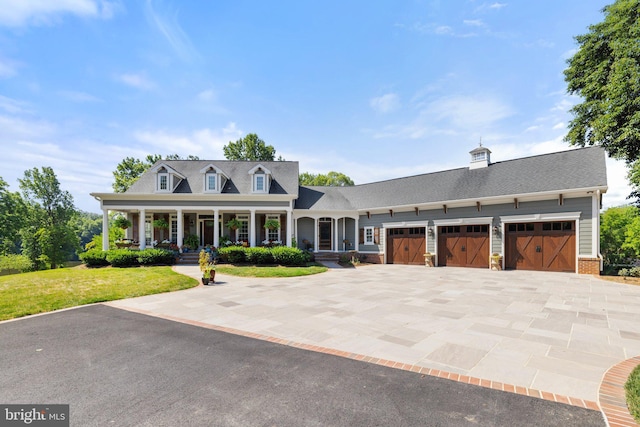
{"x":589,"y":266}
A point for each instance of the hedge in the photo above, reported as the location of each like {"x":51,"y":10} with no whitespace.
{"x":94,"y":258}
{"x":123,"y":258}
{"x":281,"y":255}
{"x":156,"y":257}
{"x":13,"y":263}
{"x":128,"y":257}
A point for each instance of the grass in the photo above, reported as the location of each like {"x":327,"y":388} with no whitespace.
{"x":43,"y":291}
{"x":632,"y":389}
{"x":269,"y":271}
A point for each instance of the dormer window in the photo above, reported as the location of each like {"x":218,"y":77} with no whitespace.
{"x":480,"y":157}
{"x":167,"y":178}
{"x":214,"y":179}
{"x":261,"y":179}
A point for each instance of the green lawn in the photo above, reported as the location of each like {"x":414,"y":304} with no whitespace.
{"x":269,"y":271}
{"x":42,"y":291}
{"x":632,"y":388}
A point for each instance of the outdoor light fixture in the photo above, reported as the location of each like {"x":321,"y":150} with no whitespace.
{"x":430,"y":231}
{"x":496,"y":230}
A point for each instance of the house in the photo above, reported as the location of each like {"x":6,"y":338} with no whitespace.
{"x":539,"y":212}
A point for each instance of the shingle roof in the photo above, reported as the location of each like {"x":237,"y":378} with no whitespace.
{"x":284,"y":175}
{"x":573,"y":169}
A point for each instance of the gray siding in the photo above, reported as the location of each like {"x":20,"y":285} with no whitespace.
{"x":582,"y":205}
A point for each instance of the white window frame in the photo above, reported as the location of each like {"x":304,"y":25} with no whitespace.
{"x":479,"y":157}
{"x":216,"y":188}
{"x":274,"y":234}
{"x":256,"y":177}
{"x":167,"y":176}
{"x":369,"y":238}
{"x":173,"y":229}
{"x":240,"y":232}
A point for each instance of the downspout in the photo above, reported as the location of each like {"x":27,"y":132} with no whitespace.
{"x":599,"y":204}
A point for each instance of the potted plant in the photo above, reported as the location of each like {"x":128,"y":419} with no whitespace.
{"x":209,"y":275}
{"x":233,"y":224}
{"x":207,"y":266}
{"x":192,"y":242}
{"x":121,"y":222}
{"x":272,"y":224}
{"x":161,"y":223}
{"x":428,"y":259}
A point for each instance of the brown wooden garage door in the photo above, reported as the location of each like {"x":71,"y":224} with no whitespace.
{"x":463,"y":246}
{"x":544,"y":246}
{"x":406,"y":245}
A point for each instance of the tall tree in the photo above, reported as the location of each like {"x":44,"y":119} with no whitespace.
{"x":12,"y":219}
{"x":129,"y":169}
{"x":605,"y":73}
{"x":617,"y":244}
{"x":331,"y":179}
{"x":49,"y":239}
{"x":251,"y":147}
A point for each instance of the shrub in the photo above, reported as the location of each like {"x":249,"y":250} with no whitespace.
{"x":123,"y":258}
{"x":632,"y":392}
{"x":233,"y":254}
{"x":15,"y":263}
{"x":259,"y":255}
{"x":284,"y":255}
{"x":94,"y":258}
{"x":156,"y":257}
{"x":629,"y":272}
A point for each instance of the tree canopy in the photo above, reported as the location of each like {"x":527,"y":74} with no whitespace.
{"x":605,"y":73}
{"x":129,"y":169}
{"x":12,"y":219}
{"x":620,"y":234}
{"x":331,"y":179}
{"x":251,"y":147}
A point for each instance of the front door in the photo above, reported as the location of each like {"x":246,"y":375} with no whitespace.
{"x":324,"y":234}
{"x":206,"y":232}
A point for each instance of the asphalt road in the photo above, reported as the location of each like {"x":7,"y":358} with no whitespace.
{"x":125,"y":369}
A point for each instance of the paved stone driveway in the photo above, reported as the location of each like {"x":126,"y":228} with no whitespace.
{"x":554,"y":332}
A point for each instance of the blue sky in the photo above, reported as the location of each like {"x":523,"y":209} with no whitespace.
{"x":373,"y":89}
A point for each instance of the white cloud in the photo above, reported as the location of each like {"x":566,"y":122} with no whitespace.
{"x":8,"y":68}
{"x":167,"y":24}
{"x":497,"y":5}
{"x":138,"y":81}
{"x":77,"y":96}
{"x":207,"y":95}
{"x":467,"y":112}
{"x":386,"y":103}
{"x":474,"y":23}
{"x":17,"y":13}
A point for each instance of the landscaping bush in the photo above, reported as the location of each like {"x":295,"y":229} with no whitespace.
{"x":284,"y":255}
{"x":14,"y":263}
{"x":94,"y":258}
{"x":233,"y":254}
{"x":630,"y":272}
{"x":632,"y":392}
{"x":156,"y":257}
{"x":123,"y":257}
{"x":259,"y":255}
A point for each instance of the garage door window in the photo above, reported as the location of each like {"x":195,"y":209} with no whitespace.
{"x":557,"y":226}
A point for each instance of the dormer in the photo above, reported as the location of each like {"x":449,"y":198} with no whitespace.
{"x":480,"y":157}
{"x":214,"y":179}
{"x":260,"y":179}
{"x":167,"y":178}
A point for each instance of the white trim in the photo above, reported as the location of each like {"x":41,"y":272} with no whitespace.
{"x":405,"y":224}
{"x":206,"y":182}
{"x":259,"y":166}
{"x":169,"y":170}
{"x":595,"y":225}
{"x":265,"y":188}
{"x":542,"y":217}
{"x":463,"y":221}
{"x":373,"y":240}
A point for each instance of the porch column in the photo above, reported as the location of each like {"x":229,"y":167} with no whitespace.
{"x":180,"y":236}
{"x":216,"y":228}
{"x":105,"y":229}
{"x":252,"y":228}
{"x":289,"y":227}
{"x":141,"y":229}
{"x":128,"y":233}
{"x":344,"y":234}
{"x":356,"y":245}
{"x":317,"y":232}
{"x":336,"y":248}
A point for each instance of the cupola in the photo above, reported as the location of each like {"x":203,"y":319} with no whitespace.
{"x":480,"y":157}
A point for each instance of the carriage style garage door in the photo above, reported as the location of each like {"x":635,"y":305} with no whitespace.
{"x":406,"y":245}
{"x":545,"y":246}
{"x":463,"y":246}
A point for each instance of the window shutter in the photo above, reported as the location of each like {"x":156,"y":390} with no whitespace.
{"x":376,"y":235}
{"x":361,"y":236}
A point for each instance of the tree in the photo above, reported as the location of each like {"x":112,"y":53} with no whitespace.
{"x":616,"y":245}
{"x":332,"y":179}
{"x":605,"y":72}
{"x":130,"y":169}
{"x":86,"y":226}
{"x":49,"y":238}
{"x":12,"y":219}
{"x":251,"y":147}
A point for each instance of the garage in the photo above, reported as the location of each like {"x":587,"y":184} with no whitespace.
{"x":406,"y":245}
{"x":463,"y":246}
{"x":541,"y":246}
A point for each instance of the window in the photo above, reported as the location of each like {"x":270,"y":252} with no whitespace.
{"x":368,"y":236}
{"x":275,"y":233}
{"x":259,"y":183}
{"x":478,"y":157}
{"x":212,"y":182}
{"x":163,"y":182}
{"x":174,"y":228}
{"x":242,"y":233}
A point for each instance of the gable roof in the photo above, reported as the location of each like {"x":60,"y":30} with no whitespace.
{"x":581,"y":168}
{"x":284,"y":176}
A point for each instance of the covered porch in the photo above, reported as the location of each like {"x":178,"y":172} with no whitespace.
{"x":327,"y":232}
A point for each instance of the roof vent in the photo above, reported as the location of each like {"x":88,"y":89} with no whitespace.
{"x":480,"y":157}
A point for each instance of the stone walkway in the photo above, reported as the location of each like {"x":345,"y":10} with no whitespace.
{"x":555,"y":333}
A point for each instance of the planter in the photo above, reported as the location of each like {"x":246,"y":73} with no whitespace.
{"x":495,"y":262}
{"x":209,"y":280}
